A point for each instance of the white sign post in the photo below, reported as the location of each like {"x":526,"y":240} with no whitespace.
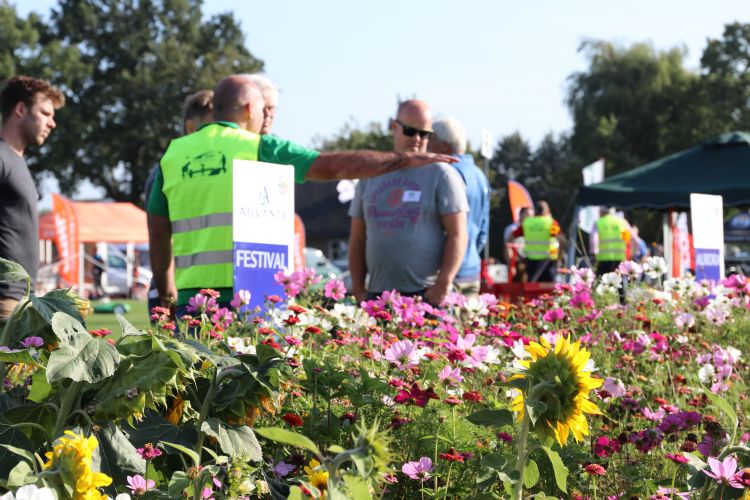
{"x":592,"y":174}
{"x":707,"y":217}
{"x":263,"y":226}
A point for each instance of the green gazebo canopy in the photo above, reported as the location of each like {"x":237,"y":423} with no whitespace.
{"x":720,"y":166}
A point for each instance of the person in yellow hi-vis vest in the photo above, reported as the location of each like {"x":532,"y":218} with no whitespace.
{"x":190,"y":207}
{"x":541,"y":234}
{"x":609,"y":241}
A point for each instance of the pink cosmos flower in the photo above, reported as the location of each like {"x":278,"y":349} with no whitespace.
{"x":32,"y":342}
{"x":402,"y":354}
{"x":241,"y":298}
{"x":725,"y":472}
{"x":655,"y":416}
{"x":138,"y":485}
{"x":335,"y":289}
{"x":614,"y":387}
{"x":419,"y":470}
{"x":554,"y":315}
{"x":453,"y":376}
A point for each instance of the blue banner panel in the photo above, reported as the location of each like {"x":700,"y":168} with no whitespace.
{"x":254,"y":267}
{"x":707,"y":264}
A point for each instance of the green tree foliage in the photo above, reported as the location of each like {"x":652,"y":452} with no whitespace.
{"x":725,"y":80}
{"x":126,"y":67}
{"x":351,"y":137}
{"x":632,"y":105}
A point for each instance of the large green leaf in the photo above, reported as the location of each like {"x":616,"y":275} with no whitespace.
{"x":127,"y":327}
{"x":116,"y":455}
{"x":233,"y":441}
{"x":40,"y":389}
{"x":530,"y":474}
{"x":80,"y":357}
{"x":12,"y":271}
{"x":36,"y":319}
{"x":154,"y":429}
{"x":11,"y":435}
{"x":20,"y":356}
{"x":493,"y":418}
{"x":20,"y":475}
{"x":288,"y":437}
{"x":561,"y":472}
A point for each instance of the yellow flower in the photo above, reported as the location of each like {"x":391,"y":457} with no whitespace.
{"x":316,"y":475}
{"x":558,"y":378}
{"x":72,"y":456}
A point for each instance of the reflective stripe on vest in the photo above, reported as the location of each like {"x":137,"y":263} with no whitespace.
{"x":202,"y":222}
{"x":536,"y":233}
{"x":197,"y":172}
{"x":611,"y":244}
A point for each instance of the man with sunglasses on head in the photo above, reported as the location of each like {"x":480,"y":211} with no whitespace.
{"x":408,"y":229}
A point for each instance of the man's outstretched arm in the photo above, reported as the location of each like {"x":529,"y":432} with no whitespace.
{"x":364,"y":164}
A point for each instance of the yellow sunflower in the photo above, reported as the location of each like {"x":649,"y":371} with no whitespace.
{"x":317,"y":476}
{"x":558,"y":377}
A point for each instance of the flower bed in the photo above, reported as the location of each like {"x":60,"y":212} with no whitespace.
{"x":573,"y":395}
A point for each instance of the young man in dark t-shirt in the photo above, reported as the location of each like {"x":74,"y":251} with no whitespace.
{"x":28,"y":110}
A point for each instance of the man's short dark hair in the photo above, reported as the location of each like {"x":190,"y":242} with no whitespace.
{"x":25,"y":89}
{"x":198,"y":106}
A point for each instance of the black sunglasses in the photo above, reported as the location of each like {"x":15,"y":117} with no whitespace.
{"x":411,"y":131}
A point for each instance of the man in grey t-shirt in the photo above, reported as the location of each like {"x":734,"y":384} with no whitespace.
{"x":28,"y":109}
{"x":408,"y":228}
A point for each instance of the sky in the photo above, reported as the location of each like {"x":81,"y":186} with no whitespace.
{"x":497,"y":65}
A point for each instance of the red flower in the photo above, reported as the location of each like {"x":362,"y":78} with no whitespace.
{"x":292,"y":419}
{"x":210,"y":293}
{"x":351,"y":417}
{"x":504,"y":436}
{"x":273,"y":299}
{"x":101,"y":333}
{"x":272,"y":343}
{"x":265,"y":331}
{"x":453,"y":456}
{"x":297,"y":309}
{"x":292,"y":320}
{"x":472,"y":396}
{"x":595,"y":469}
{"x":415,"y":395}
{"x":677,"y":458}
{"x":452,"y":400}
{"x":313,"y":329}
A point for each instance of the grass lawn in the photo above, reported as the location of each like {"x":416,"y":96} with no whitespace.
{"x":138,"y":316}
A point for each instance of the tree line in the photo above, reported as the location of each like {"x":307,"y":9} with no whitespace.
{"x":126,"y":66}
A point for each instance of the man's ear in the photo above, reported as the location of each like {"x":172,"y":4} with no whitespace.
{"x":20,"y":109}
{"x":393,"y":126}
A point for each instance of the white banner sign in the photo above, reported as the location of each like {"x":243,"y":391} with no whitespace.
{"x":263,"y":226}
{"x":707,"y":217}
{"x":592,"y":174}
{"x":486,"y":144}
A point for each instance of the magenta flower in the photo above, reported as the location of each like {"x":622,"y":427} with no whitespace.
{"x":138,"y":485}
{"x":335,"y":289}
{"x":149,"y":452}
{"x":282,"y":469}
{"x":32,"y":342}
{"x":554,"y":315}
{"x":724,"y":472}
{"x":419,"y":470}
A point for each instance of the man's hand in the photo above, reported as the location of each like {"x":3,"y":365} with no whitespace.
{"x":437,"y":292}
{"x":419,"y":159}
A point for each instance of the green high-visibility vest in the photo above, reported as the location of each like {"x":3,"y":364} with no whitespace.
{"x":611,"y":244}
{"x":536,"y":237}
{"x":197,"y":171}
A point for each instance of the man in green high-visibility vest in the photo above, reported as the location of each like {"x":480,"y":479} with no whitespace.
{"x":609,"y":241}
{"x":190,"y":208}
{"x":541,"y":235}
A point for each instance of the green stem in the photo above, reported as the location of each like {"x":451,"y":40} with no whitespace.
{"x":69,"y":397}
{"x":204,"y":415}
{"x":523,"y":436}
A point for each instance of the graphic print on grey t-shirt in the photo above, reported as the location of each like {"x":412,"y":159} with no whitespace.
{"x":394,"y":205}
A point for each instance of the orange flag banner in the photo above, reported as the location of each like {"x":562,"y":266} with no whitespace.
{"x":66,"y":239}
{"x":519,"y":198}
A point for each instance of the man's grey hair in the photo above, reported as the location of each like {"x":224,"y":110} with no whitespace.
{"x":450,"y":131}
{"x":266,"y":87}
